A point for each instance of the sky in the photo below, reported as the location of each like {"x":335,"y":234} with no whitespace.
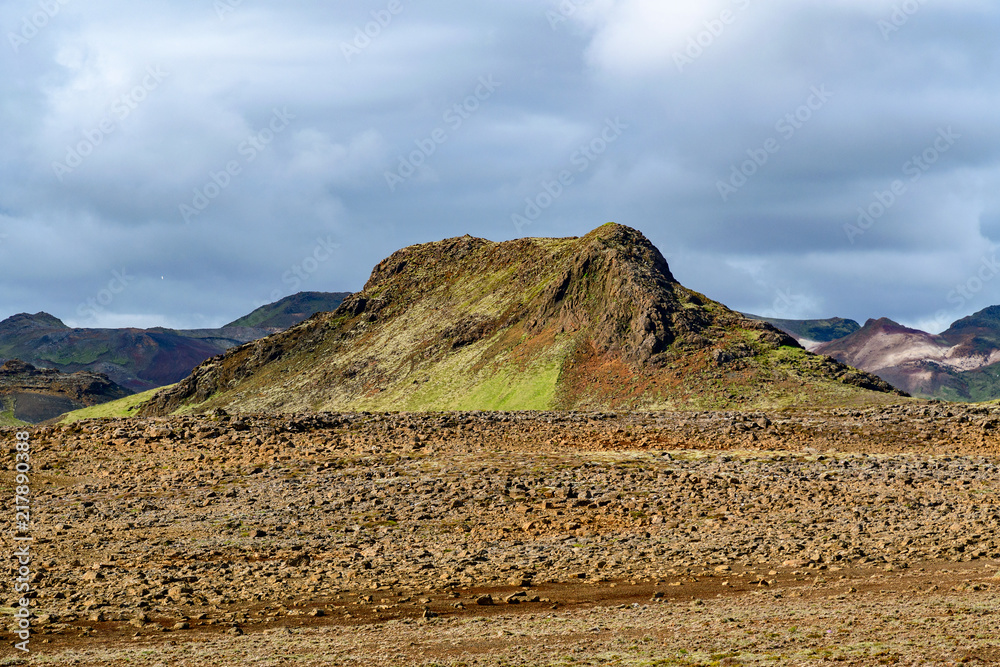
{"x":179,"y":164}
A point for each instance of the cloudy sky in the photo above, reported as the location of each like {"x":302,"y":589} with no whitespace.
{"x":181,"y":163}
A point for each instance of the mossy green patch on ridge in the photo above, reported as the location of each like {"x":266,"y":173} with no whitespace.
{"x":123,"y":407}
{"x":499,"y":385}
{"x":81,"y":354}
{"x":7,"y":417}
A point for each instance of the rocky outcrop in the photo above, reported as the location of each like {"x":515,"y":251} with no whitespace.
{"x":33,"y":395}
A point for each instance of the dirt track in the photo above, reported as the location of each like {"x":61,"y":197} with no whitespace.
{"x":863,"y":537}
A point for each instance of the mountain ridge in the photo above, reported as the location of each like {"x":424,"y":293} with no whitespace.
{"x":138,"y":359}
{"x":291,"y":310}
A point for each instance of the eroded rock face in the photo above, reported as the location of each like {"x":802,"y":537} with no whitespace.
{"x":465,"y":323}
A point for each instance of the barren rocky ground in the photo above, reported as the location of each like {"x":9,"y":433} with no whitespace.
{"x":853,"y":536}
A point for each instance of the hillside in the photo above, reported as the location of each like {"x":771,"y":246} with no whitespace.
{"x":291,"y":310}
{"x":811,"y":333}
{"x":142,"y":359}
{"x":596,"y":322}
{"x":32,"y":395}
{"x":962,"y":363}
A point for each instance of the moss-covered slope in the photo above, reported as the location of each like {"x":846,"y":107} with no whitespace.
{"x":596,"y":322}
{"x":291,"y":310}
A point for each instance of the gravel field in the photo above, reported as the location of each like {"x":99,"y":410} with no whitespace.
{"x":789,"y":537}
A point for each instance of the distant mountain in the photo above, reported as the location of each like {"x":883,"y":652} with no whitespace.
{"x":595,"y":323}
{"x":141,"y":359}
{"x":137,"y":359}
{"x":962,"y":363}
{"x":977,"y":335}
{"x":291,"y":310}
{"x":810,"y":333}
{"x":32,"y":395}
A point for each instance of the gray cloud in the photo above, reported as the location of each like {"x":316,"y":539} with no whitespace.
{"x":699,"y":90}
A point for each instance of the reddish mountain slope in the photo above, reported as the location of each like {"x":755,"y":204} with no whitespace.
{"x":962,"y":363}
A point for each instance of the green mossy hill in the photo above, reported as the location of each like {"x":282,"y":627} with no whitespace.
{"x":123,"y":407}
{"x":596,"y":322}
{"x":291,"y":310}
{"x":987,"y":319}
{"x":818,"y":331}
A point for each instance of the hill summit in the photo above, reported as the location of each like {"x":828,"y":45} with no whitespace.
{"x":595,"y":322}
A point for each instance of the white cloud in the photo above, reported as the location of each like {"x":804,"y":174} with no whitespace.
{"x":639,"y":36}
{"x":325,"y":174}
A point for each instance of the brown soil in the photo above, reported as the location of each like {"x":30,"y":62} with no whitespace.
{"x":851,"y":536}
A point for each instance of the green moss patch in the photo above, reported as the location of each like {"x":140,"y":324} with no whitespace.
{"x":123,"y":407}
